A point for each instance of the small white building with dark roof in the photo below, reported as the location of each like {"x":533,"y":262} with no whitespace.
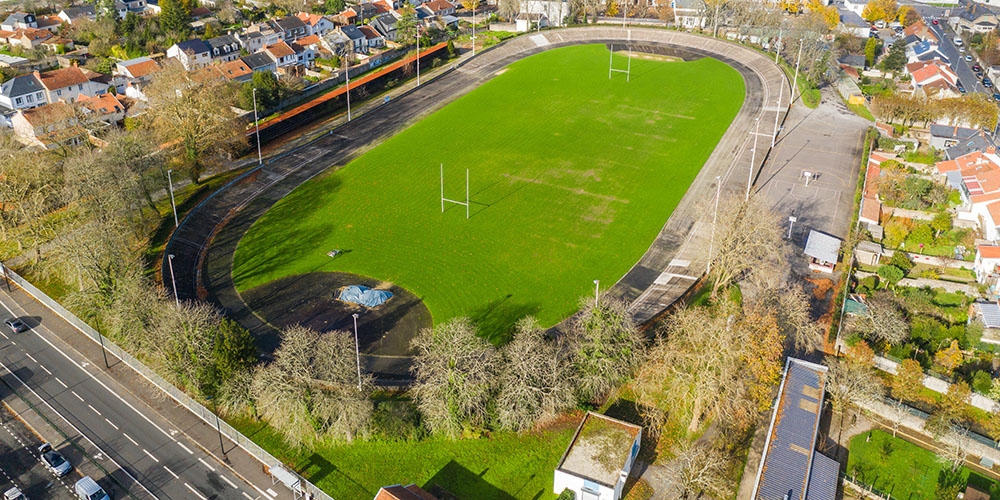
{"x":598,"y":460}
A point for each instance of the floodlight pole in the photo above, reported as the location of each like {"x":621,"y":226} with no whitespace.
{"x":795,"y":81}
{"x":597,"y":292}
{"x":173,"y":282}
{"x":753,"y":157}
{"x":357,"y":349}
{"x":777,"y":113}
{"x":418,"y":53}
{"x":347,"y":72}
{"x":473,"y":32}
{"x":777,"y":47}
{"x":715,"y":217}
{"x":256,"y":122}
{"x":173,"y":205}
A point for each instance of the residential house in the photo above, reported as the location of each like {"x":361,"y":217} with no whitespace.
{"x":852,"y":61}
{"x":871,"y":206}
{"x":385,"y":24}
{"x":400,"y":492}
{"x":200,"y":13}
{"x":792,"y":468}
{"x":236,"y":71}
{"x":526,"y":21}
{"x":355,"y":35}
{"x":976,"y":18}
{"x":152,"y":8}
{"x":291,"y":28}
{"x":121,"y":10}
{"x":598,"y":460}
{"x":69,"y":15}
{"x":852,"y":24}
{"x":27,"y":38}
{"x":225,"y":48}
{"x":947,"y":136}
{"x":193,"y":54}
{"x":105,"y":108}
{"x":260,"y":61}
{"x":49,"y":126}
{"x":253,"y":41}
{"x":921,"y":31}
{"x":50,"y":23}
{"x":306,"y":50}
{"x":137,"y":6}
{"x":925,"y":51}
{"x":58,"y":44}
{"x":315,"y":24}
{"x":688,"y":14}
{"x":337,"y":43}
{"x":138,"y":70}
{"x":977,"y":178}
{"x":373,"y":40}
{"x":344,"y":17}
{"x":282,"y":54}
{"x":21,"y":92}
{"x":363,"y":12}
{"x":439,"y":8}
{"x":934,"y":79}
{"x":823,"y":250}
{"x":68,"y":84}
{"x":987,"y":264}
{"x":856,"y":6}
{"x":18,"y":20}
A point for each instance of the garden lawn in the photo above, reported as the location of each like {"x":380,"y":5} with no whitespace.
{"x":902,"y":469}
{"x":572,"y":177}
{"x":505,"y":466}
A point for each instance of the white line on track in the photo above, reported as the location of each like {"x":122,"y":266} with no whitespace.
{"x":95,"y":410}
{"x":112,"y":424}
{"x":185,"y":448}
{"x":171,"y":472}
{"x":77,"y":395}
{"x":206,"y":464}
{"x":199,"y":495}
{"x":130,"y":439}
{"x":32,"y":358}
{"x":230,"y":483}
{"x":62,"y":383}
{"x":247,"y":495}
{"x":44,"y":368}
{"x":150,"y":455}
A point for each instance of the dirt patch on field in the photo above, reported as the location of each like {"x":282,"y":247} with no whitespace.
{"x":308,"y":300}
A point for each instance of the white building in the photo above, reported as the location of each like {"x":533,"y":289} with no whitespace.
{"x":585,"y":468}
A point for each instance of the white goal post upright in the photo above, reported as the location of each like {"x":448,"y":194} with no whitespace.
{"x":465,"y":203}
{"x":611,"y":63}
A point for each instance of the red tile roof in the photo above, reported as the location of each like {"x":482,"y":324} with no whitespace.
{"x":399,"y":492}
{"x":62,"y":78}
{"x":370,"y":33}
{"x":49,"y":114}
{"x":235,"y":69}
{"x":279,"y":50}
{"x":439,"y":5}
{"x":989,"y":251}
{"x":105,"y":104}
{"x":141,"y":69}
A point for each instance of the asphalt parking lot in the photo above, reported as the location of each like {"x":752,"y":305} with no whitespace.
{"x":20,"y":464}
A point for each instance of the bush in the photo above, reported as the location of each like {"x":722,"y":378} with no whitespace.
{"x":981,"y":382}
{"x":867,"y":284}
{"x":902,"y":261}
{"x":566,"y":494}
{"x":891,"y":274}
{"x":397,"y":420}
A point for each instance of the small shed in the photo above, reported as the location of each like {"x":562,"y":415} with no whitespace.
{"x":824,"y":250}
{"x":599,"y":458}
{"x":988,"y":313}
{"x":868,"y":253}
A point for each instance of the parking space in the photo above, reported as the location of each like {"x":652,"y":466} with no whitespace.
{"x":20,"y":463}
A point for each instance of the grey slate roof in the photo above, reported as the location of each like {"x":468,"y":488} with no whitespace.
{"x":21,"y":85}
{"x":257,"y":60}
{"x":852,"y":60}
{"x":352,"y":32}
{"x":822,"y":246}
{"x":289,"y":23}
{"x":976,"y":142}
{"x":222,"y":41}
{"x":792,"y":436}
{"x":951,"y":131}
{"x":851,"y":18}
{"x":195,"y":46}
{"x":990,"y":312}
{"x":80,"y":11}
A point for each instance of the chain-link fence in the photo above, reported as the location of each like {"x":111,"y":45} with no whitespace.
{"x":210,"y":418}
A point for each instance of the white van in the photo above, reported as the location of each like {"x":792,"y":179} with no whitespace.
{"x":958,"y":41}
{"x":88,"y":489}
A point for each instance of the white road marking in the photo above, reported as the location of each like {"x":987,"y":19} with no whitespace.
{"x":95,"y":410}
{"x":112,"y":424}
{"x":77,"y":395}
{"x":230,"y":483}
{"x":206,"y":464}
{"x":185,"y":448}
{"x":271,"y":492}
{"x":150,"y":455}
{"x":247,"y":495}
{"x":199,"y":495}
{"x":171,"y":472}
{"x":5,"y":335}
{"x":62,"y":383}
{"x":44,"y":368}
{"x":130,"y":439}
{"x":32,"y":358}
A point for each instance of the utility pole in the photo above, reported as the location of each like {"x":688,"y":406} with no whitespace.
{"x":715,"y":218}
{"x":795,"y":81}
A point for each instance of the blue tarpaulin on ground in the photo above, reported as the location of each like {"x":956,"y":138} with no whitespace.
{"x":360,"y":294}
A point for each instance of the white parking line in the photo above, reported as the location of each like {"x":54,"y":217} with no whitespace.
{"x":206,"y":464}
{"x":77,"y":395}
{"x":150,"y":455}
{"x":230,"y":483}
{"x":185,"y":448}
{"x":32,"y":358}
{"x":95,"y":410}
{"x":171,"y":472}
{"x":62,"y":383}
{"x":247,"y":495}
{"x":199,"y":495}
{"x":112,"y":424}
{"x":44,"y":368}
{"x":130,"y":439}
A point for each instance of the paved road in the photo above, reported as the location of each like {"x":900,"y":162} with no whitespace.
{"x":145,"y":453}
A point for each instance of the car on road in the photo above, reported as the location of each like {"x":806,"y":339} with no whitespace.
{"x":996,"y":97}
{"x":987,"y":84}
{"x":977,"y":67}
{"x":968,"y":58}
{"x":934,"y":22}
{"x":979,"y":75}
{"x":88,"y":489}
{"x":14,"y":494}
{"x":54,"y":461}
{"x":958,"y":41}
{"x":961,"y":88}
{"x":15,"y":325}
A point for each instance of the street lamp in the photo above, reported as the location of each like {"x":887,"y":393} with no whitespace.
{"x":418,"y":53}
{"x":798,"y":59}
{"x":777,"y":114}
{"x":347,"y":72}
{"x":753,"y":156}
{"x":170,"y":184}
{"x":357,"y":349}
{"x":256,"y":122}
{"x":473,"y":31}
{"x":597,"y":291}
{"x":173,"y":282}
{"x":715,"y":217}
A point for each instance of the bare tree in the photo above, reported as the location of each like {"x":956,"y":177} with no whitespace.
{"x":747,"y":238}
{"x":956,"y":446}
{"x":850,"y":384}
{"x":698,"y":470}
{"x":884,"y":323}
{"x":792,"y":309}
{"x":607,"y":347}
{"x":455,"y":373}
{"x":537,"y":380}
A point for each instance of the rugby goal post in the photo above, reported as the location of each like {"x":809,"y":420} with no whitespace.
{"x":465,"y":203}
{"x":611,"y":63}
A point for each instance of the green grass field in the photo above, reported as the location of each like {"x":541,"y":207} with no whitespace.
{"x":572,"y":177}
{"x":904,"y":470}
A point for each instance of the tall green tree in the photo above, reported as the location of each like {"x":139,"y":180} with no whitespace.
{"x":870,"y":47}
{"x":175,"y":16}
{"x":267,"y":91}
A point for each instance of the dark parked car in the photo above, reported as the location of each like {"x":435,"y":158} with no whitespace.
{"x":979,"y":74}
{"x":961,"y":88}
{"x":977,"y":67}
{"x":16,"y":325}
{"x":934,"y":22}
{"x":987,"y":84}
{"x":996,"y":97}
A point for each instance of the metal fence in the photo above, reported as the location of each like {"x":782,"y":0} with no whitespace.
{"x":169,"y":389}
